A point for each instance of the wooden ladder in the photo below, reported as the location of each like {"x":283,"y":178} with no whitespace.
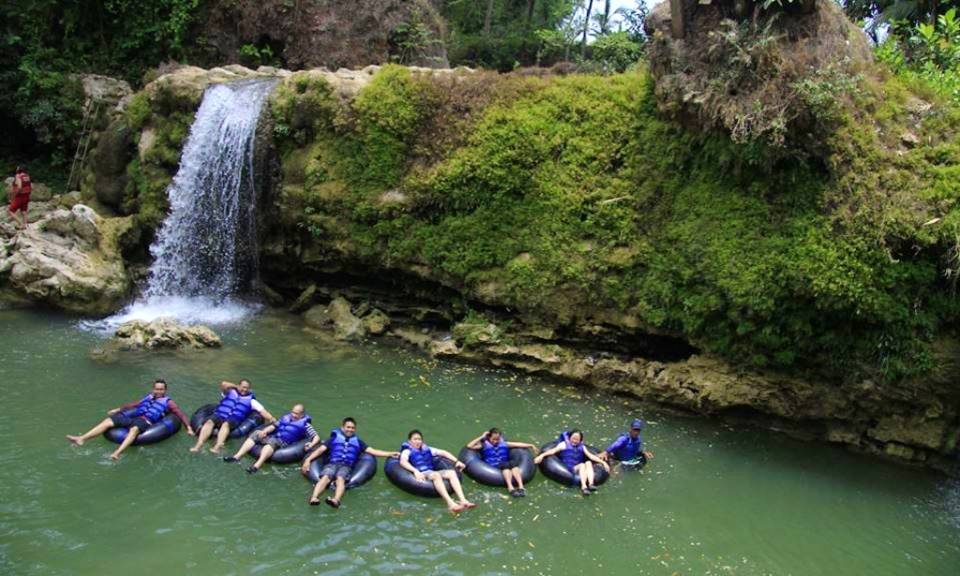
{"x":90,"y":112}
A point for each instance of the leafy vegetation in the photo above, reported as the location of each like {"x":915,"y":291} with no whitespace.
{"x":45,"y":42}
{"x":575,"y":196}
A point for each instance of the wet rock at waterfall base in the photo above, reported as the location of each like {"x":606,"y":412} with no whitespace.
{"x":160,"y":334}
{"x":303,"y":301}
{"x":338,"y":317}
{"x":376,"y":322}
{"x":67,"y":259}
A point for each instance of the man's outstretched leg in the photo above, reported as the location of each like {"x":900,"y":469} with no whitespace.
{"x":95,"y":431}
{"x":338,"y":492}
{"x":318,"y":489}
{"x":132,"y":434}
{"x":244,"y":449}
{"x":222,"y":436}
{"x":265,"y":453}
{"x":202,"y":435}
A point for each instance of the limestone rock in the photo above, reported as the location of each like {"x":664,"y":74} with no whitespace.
{"x":163,"y":333}
{"x":69,"y":259}
{"x":346,"y":326}
{"x":81,"y":223}
{"x":304,"y":300}
{"x":107,"y":90}
{"x":915,"y":431}
{"x":318,"y":317}
{"x":109,"y":164}
{"x":376,"y":322}
{"x":40,"y":193}
{"x":412,"y":336}
{"x":70,"y":200}
{"x":445,"y":348}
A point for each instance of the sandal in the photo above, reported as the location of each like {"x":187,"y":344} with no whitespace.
{"x":332,"y":503}
{"x":468,"y":505}
{"x":314,"y":502}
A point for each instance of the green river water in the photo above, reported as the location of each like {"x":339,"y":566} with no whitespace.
{"x":716,"y":499}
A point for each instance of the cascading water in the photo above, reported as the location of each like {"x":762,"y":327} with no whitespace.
{"x":205,"y":253}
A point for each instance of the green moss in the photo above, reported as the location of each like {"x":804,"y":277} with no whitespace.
{"x":302,"y":106}
{"x":138,"y":111}
{"x":575,"y":195}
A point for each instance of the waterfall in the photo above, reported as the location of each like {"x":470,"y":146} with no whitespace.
{"x":205,"y":252}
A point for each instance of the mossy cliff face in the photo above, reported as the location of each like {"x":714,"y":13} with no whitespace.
{"x":574,"y":215}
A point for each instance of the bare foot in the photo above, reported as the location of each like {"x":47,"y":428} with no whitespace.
{"x":468,"y":504}
{"x":76,"y":440}
{"x":454,"y":509}
{"x":195,"y":449}
{"x":114,"y":456}
{"x":216,"y":449}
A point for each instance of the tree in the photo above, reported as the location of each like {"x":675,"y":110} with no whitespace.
{"x":488,"y":19}
{"x":633,"y":19}
{"x":586,"y":28}
{"x":603,"y":22}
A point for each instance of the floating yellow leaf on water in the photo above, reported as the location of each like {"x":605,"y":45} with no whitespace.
{"x":535,"y":518}
{"x":530,"y":544}
{"x":397,"y":513}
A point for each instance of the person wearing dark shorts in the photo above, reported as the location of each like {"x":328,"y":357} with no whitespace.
{"x":343,"y":449}
{"x":236,"y":403}
{"x":138,"y":416}
{"x":291,"y":428}
{"x":495,"y":451}
{"x":122,"y":420}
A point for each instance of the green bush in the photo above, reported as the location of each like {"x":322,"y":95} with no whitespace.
{"x":616,"y":52}
{"x":576,"y":196}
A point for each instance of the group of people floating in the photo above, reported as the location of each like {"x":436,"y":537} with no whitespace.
{"x":344,"y":461}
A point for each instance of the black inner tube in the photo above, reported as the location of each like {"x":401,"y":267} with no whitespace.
{"x":491,"y":476}
{"x":165,"y":428}
{"x":553,"y":468}
{"x":287,"y":455}
{"x":363,"y":471}
{"x":405,"y":480}
{"x":249,"y":424}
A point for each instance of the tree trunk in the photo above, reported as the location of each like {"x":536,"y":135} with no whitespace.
{"x":586,"y":28}
{"x":606,"y":17}
{"x":530,"y":6}
{"x":487,"y":19}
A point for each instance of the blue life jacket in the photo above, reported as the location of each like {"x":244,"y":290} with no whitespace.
{"x":234,"y":406}
{"x":630,"y":449}
{"x":421,"y":459}
{"x":290,"y":430}
{"x":572,"y":456}
{"x":153,"y":409}
{"x":495,"y":454}
{"x":343,"y":450}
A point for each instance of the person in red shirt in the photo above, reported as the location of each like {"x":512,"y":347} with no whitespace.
{"x":20,"y":196}
{"x":148,"y":412}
